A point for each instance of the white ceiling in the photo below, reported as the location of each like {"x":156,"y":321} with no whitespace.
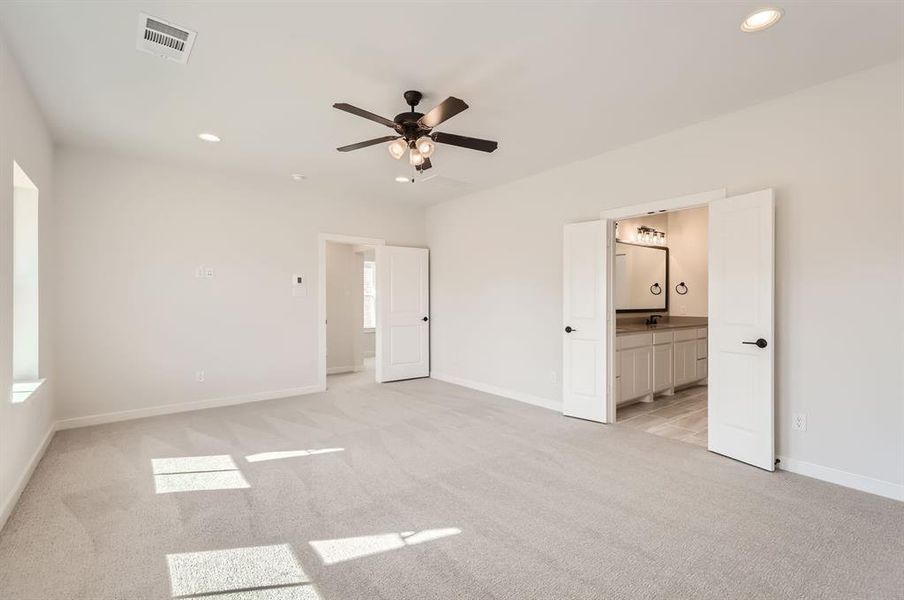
{"x":552,"y":82}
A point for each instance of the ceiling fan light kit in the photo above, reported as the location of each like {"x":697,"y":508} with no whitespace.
{"x":415,"y":131}
{"x":397,"y":148}
{"x":415,"y":158}
{"x":425,"y":146}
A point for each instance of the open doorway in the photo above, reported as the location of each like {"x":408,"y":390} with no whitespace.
{"x":347,"y":305}
{"x":737,"y":342}
{"x":380,"y":296}
{"x":351,"y":319}
{"x":661,"y":290}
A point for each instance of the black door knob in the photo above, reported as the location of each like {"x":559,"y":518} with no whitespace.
{"x":425,"y":319}
{"x":569,"y":329}
{"x":760,"y":343}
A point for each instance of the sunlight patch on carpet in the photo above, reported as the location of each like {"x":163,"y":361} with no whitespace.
{"x":197,"y":474}
{"x":343,"y":549}
{"x":253,"y":573}
{"x":262,"y":456}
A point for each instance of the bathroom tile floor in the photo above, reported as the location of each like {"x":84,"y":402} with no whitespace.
{"x":681,"y":417}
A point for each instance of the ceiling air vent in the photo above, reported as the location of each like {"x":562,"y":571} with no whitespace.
{"x":166,"y":40}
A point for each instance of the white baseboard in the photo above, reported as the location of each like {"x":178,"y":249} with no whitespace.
{"x":895,"y":491}
{"x":369,"y":354}
{"x":166,"y":409}
{"x":498,"y":391}
{"x":338,"y":370}
{"x":9,"y":502}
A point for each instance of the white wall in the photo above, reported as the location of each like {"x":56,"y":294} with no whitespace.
{"x":343,"y":308}
{"x":688,"y":242}
{"x":24,"y":138}
{"x":136,"y":324}
{"x":834,"y":155}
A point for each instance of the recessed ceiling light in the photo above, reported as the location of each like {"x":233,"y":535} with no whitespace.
{"x":761,"y":19}
{"x":209,"y":137}
{"x":402,"y":179}
{"x":298,"y":176}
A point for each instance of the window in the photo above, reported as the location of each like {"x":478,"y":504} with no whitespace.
{"x":25,"y":286}
{"x":370,"y":294}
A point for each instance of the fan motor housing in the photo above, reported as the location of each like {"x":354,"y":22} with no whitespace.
{"x":407,"y":124}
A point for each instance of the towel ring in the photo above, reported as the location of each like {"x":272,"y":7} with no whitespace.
{"x":655,"y":289}
{"x":678,"y":288}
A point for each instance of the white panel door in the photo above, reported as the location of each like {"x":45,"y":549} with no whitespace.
{"x":403,"y":313}
{"x":584,"y":360}
{"x":741,"y":348}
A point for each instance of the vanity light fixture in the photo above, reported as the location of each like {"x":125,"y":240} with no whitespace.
{"x":761,"y":19}
{"x":648,"y":235}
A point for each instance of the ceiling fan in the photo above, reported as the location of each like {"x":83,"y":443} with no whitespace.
{"x":415,"y":133}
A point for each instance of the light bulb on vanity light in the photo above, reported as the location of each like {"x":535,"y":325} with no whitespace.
{"x":397,"y":148}
{"x":425,"y":146}
{"x":415,"y":158}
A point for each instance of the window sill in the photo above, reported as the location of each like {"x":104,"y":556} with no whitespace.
{"x":23,"y":390}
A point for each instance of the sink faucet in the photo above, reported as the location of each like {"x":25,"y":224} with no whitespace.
{"x":653,"y":319}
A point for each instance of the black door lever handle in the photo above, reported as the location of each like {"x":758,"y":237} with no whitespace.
{"x":760,"y":343}
{"x":569,"y":329}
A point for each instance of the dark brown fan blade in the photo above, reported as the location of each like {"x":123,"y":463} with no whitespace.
{"x":465,"y":142}
{"x":363,"y":113}
{"x":426,"y":165}
{"x":385,"y":138}
{"x":447,"y":109}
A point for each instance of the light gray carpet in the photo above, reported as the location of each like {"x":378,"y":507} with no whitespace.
{"x":437,"y":492}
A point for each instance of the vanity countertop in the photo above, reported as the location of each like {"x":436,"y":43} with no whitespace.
{"x":639,"y":326}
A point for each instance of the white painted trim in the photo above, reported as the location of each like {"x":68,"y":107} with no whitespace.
{"x":498,"y":391}
{"x":343,"y":369}
{"x":322,"y":239}
{"x":880,"y":487}
{"x":9,"y":503}
{"x":679,"y":203}
{"x":168,"y":409}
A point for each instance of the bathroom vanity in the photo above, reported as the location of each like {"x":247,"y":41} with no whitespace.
{"x":656,"y":359}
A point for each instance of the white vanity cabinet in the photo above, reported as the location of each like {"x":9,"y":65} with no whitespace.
{"x":634,"y":357}
{"x":660,"y":361}
{"x":663,"y":361}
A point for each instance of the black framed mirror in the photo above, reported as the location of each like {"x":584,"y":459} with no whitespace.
{"x":641,"y":278}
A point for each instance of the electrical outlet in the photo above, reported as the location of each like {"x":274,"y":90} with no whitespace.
{"x":199,"y":376}
{"x":208,"y":273}
{"x":799,"y":422}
